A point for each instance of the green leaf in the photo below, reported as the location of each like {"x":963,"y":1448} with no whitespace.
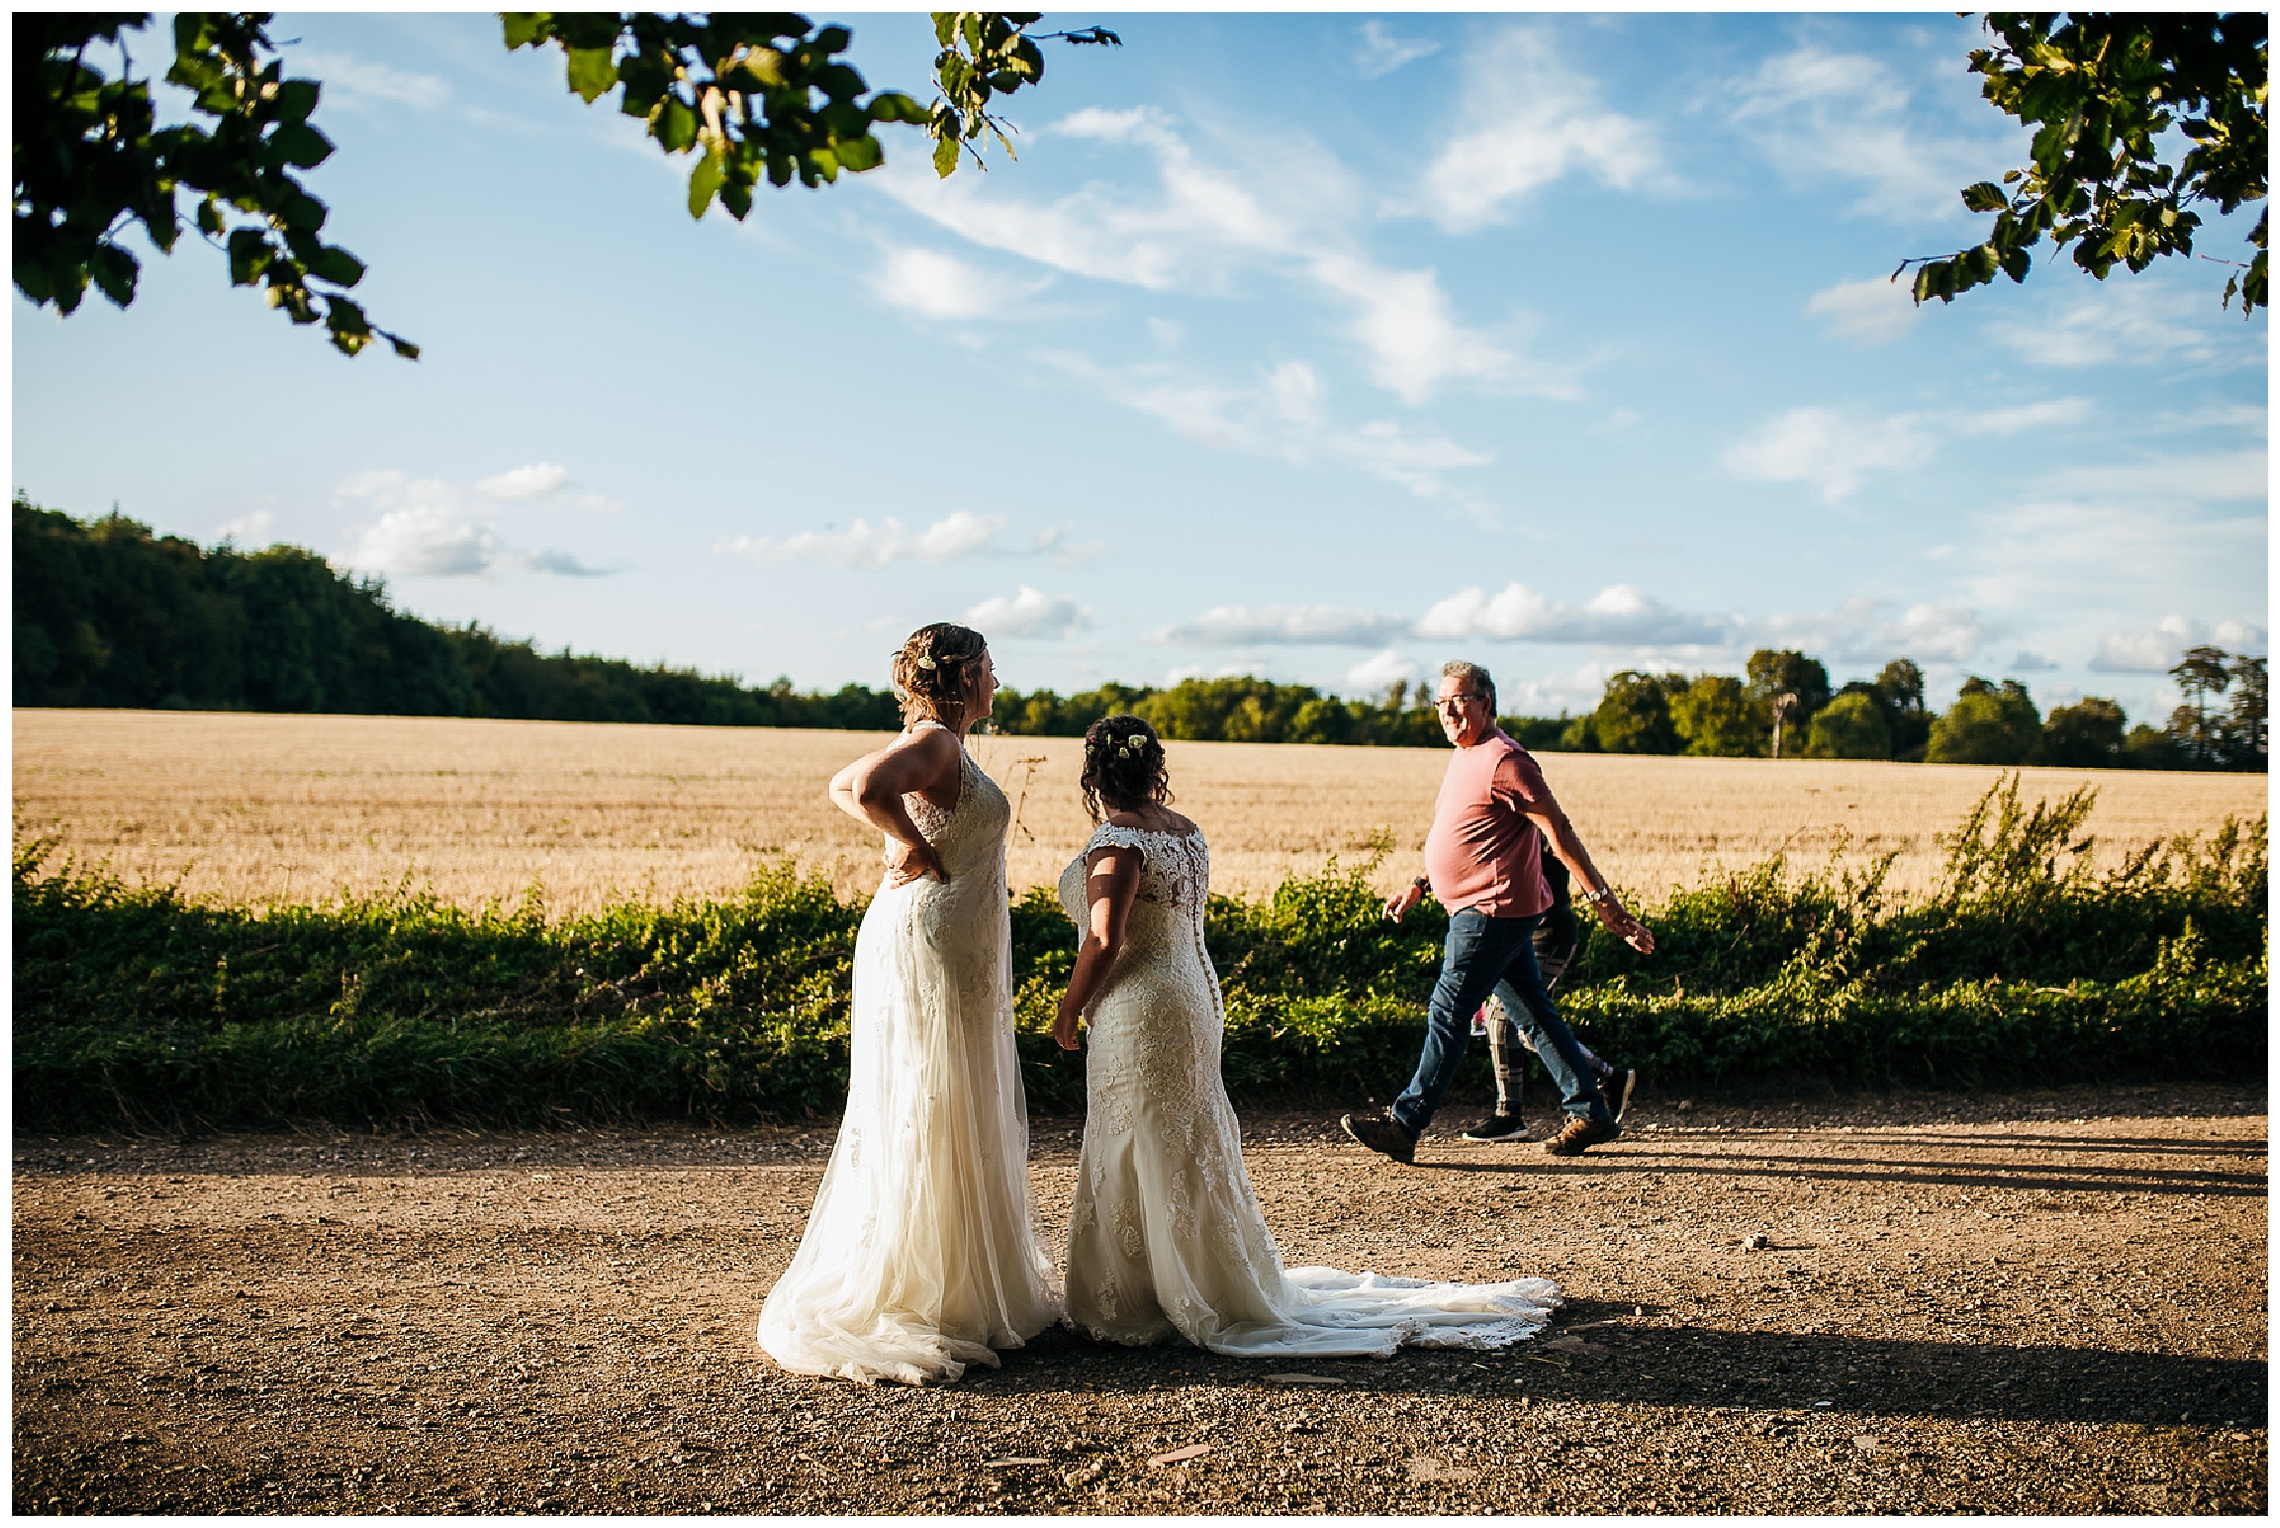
{"x":859,"y":154}
{"x":704,"y":181}
{"x":525,"y":29}
{"x":295,"y":100}
{"x":337,"y":266}
{"x":945,"y":156}
{"x":675,"y":125}
{"x":592,"y":72}
{"x":1986,"y":196}
{"x":303,"y":146}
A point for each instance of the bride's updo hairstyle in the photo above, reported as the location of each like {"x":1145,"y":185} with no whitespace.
{"x":1124,"y":766}
{"x":935,"y":671}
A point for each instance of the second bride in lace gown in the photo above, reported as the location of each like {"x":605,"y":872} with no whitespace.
{"x":1165,"y":1234}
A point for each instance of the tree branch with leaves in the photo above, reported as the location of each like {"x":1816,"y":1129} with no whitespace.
{"x":2103,"y":93}
{"x":90,"y":163}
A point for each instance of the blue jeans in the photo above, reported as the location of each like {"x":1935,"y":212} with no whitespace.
{"x":1482,"y":951}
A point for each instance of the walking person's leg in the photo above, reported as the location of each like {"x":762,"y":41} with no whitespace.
{"x":1556,"y":941}
{"x":1508,"y":1057}
{"x":1590,"y":1119}
{"x":1475,"y":955}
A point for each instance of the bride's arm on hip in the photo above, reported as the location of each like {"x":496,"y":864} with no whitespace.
{"x":871,"y":790}
{"x":1112,"y":877}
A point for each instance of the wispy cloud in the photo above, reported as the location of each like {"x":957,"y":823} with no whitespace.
{"x":935,"y":285}
{"x":1830,"y":450}
{"x":1203,"y":224}
{"x":1528,"y":120}
{"x":2139,"y":321}
{"x":1871,"y":312}
{"x":1027,"y":613}
{"x":355,"y":84}
{"x":864,"y":545}
{"x":1619,"y":613}
{"x":1282,"y":414}
{"x":247,"y":529}
{"x":2196,"y":477}
{"x":1835,"y":450}
{"x":534,"y":481}
{"x":1823,"y":117}
{"x":1330,"y":625}
{"x":1380,"y":52}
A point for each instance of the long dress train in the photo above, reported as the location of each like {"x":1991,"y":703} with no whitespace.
{"x":1165,"y":1234}
{"x":921,"y":1255}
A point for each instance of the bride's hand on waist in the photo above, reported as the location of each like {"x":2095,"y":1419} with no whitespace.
{"x":908,"y":862}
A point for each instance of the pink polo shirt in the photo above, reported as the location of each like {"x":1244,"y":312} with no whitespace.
{"x":1482,"y":854}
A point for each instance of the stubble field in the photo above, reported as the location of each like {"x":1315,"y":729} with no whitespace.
{"x":251,"y":809}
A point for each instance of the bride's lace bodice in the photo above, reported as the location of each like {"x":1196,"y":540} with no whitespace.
{"x":1164,"y":929}
{"x":971,"y":834}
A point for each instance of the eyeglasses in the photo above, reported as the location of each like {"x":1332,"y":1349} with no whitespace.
{"x":1457,"y":700}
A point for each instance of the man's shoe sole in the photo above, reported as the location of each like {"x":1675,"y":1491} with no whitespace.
{"x":1520,"y":1134}
{"x":1407,"y":1159}
{"x":1558,"y":1148}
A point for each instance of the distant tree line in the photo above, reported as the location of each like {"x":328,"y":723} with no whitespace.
{"x":1785,"y":707}
{"x":108,"y":614}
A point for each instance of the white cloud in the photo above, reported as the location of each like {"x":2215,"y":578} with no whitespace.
{"x":2158,"y":651}
{"x":423,"y":529}
{"x":533,"y":481}
{"x":1331,"y":625}
{"x":2026,"y":662}
{"x":1207,"y":222}
{"x":2196,"y":477}
{"x":2136,"y":320}
{"x":2112,"y":561}
{"x":1831,"y":450}
{"x":1381,"y":671}
{"x":1381,"y":52}
{"x":564,"y":565}
{"x":354,"y":84}
{"x":1619,"y":613}
{"x":1871,"y":312}
{"x":864,"y":545}
{"x":935,"y":285}
{"x":1028,"y":613}
{"x":1834,"y":450}
{"x":1409,"y":330}
{"x":1821,"y":117}
{"x":1528,"y":121}
{"x":1280,"y":415}
{"x":1862,"y":630}
{"x":2026,"y":416}
{"x":245,"y":530}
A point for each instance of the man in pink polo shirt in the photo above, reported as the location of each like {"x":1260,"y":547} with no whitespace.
{"x":1483,"y":860}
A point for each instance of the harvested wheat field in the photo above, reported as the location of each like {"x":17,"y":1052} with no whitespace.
{"x":252,"y":809}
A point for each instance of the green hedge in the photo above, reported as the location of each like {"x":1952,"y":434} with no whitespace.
{"x":135,"y":1008}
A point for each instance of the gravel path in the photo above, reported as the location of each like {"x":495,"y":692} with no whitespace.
{"x":2026,"y":1303}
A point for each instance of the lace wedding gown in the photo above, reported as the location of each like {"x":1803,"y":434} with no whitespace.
{"x":1165,"y":1235}
{"x":920,"y":1254}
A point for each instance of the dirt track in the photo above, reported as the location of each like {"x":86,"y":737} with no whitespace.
{"x":2033,"y":1303}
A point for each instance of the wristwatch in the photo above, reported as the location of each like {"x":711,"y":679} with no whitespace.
{"x":1422,"y":883}
{"x":1603,"y":894}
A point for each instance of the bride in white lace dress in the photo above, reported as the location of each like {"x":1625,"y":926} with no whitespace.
{"x":1165,"y":1235}
{"x":921,"y":1255}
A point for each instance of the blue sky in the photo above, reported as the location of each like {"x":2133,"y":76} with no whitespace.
{"x":1320,"y":347}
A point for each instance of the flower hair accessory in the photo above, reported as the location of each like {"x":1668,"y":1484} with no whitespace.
{"x":925,"y":662}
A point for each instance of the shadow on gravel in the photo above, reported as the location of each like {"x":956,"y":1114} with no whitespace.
{"x":2052,"y":1177}
{"x":1769,"y":1372}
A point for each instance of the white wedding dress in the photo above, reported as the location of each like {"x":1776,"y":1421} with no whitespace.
{"x":921,"y":1254}
{"x":1165,"y":1235}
